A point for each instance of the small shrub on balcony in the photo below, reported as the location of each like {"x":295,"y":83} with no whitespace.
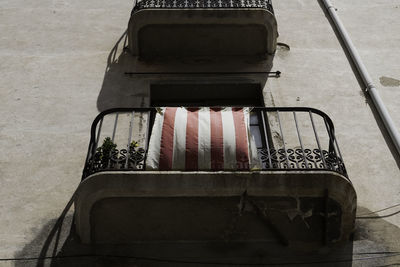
{"x":104,"y":152}
{"x":133,"y":145}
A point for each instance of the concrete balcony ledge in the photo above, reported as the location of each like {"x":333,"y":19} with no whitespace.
{"x":115,"y":207}
{"x":194,"y":29}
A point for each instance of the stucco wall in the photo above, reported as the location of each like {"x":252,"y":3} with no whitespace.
{"x":57,"y":73}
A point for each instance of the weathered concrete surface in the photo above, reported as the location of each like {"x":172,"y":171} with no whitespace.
{"x":231,"y":32}
{"x":100,"y":187}
{"x":53,"y":57}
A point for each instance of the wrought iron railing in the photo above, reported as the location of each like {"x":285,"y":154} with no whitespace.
{"x":145,"y":4}
{"x":287,"y":138}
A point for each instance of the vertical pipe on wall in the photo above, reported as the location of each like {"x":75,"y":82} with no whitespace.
{"x":362,"y":70}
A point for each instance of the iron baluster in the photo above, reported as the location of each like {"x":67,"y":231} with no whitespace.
{"x":266,"y":138}
{"x":283,"y":140}
{"x":129,"y":141}
{"x":317,"y":139}
{"x":299,"y":136}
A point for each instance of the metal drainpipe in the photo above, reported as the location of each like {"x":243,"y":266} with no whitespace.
{"x":362,"y":70}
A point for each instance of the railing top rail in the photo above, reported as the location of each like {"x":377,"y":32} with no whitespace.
{"x":270,"y":109}
{"x":102,"y":114}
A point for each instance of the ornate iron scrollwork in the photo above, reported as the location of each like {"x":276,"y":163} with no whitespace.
{"x":266,"y":4}
{"x":117,"y":160}
{"x":300,"y":159}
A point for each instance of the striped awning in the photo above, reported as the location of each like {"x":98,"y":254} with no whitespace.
{"x":202,"y":139}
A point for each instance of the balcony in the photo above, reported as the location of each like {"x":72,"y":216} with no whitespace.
{"x":199,"y":28}
{"x":296,"y":189}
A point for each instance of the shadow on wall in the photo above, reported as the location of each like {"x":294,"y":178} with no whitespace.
{"x":127,"y":80}
{"x":118,"y":89}
{"x":56,"y":244}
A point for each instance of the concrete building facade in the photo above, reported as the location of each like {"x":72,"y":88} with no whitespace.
{"x":63,"y":62}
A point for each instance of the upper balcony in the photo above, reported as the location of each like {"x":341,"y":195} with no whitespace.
{"x":199,"y":28}
{"x":282,"y":164}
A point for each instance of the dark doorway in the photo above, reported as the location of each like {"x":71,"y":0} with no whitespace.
{"x":207,"y":95}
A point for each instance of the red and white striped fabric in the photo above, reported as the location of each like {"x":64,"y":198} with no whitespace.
{"x":203,"y":139}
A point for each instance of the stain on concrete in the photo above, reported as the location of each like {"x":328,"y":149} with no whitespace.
{"x":272,"y":99}
{"x":389,"y":82}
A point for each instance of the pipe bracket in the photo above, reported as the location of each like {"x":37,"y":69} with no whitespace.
{"x":369,"y":87}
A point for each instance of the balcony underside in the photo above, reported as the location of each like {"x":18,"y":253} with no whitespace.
{"x":142,"y":206}
{"x":173,"y":32}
